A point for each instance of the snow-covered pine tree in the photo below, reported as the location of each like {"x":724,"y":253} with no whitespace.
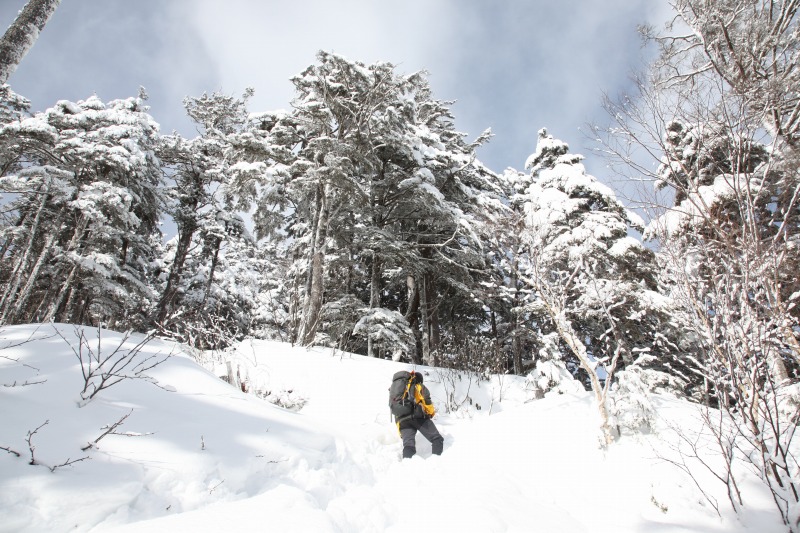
{"x":222,"y":293}
{"x":81,"y":241}
{"x":451,"y":238}
{"x":196,"y":169}
{"x":371,"y":181}
{"x":209,"y":289}
{"x":505,"y":294}
{"x":594,"y":283}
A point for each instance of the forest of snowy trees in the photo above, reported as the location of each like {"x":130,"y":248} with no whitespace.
{"x":361,"y":219}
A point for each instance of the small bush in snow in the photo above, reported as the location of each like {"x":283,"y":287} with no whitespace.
{"x":553,"y":376}
{"x":103,"y":367}
{"x":288,"y":399}
{"x":630,"y":402}
{"x":551,"y":373}
{"x":454,"y":381}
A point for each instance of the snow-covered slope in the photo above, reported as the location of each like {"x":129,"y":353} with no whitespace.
{"x":196,"y":454}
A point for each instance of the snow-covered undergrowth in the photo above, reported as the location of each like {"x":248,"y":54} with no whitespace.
{"x":196,"y":454}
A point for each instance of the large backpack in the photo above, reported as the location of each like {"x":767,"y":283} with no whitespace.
{"x":401,"y":395}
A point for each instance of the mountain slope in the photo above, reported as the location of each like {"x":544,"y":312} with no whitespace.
{"x":196,"y":454}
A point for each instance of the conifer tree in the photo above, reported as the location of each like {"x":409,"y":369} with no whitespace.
{"x":593,"y":282}
{"x":81,"y":241}
{"x":381,"y":196}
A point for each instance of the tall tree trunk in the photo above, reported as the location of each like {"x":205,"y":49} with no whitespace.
{"x":412,"y":316}
{"x":374,"y":295}
{"x":212,"y":271}
{"x":44,"y":255}
{"x":433,"y":318}
{"x":23,"y":32}
{"x":516,"y":341}
{"x":426,"y":330}
{"x":65,"y":290}
{"x":430,"y":318}
{"x":185,"y":235}
{"x":295,"y":305}
{"x":80,"y":308}
{"x":62,"y":300}
{"x":313,"y":302}
{"x":7,"y":244}
{"x":20,"y":270}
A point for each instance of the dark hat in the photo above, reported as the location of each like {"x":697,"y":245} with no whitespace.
{"x":417,"y":376}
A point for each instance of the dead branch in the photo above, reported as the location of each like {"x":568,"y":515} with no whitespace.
{"x":9,"y":450}
{"x":111,"y":430}
{"x":25,"y":383}
{"x":26,"y":341}
{"x":68,"y":462}
{"x":29,"y":440}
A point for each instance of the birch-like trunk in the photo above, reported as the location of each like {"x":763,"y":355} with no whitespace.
{"x":23,"y":32}
{"x":552,"y":298}
{"x":313,"y":302}
{"x":572,"y":340}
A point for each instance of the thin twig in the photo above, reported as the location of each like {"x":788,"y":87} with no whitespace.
{"x":9,"y":450}
{"x":29,"y":440}
{"x":68,"y":462}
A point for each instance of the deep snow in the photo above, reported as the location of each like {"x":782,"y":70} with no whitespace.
{"x":196,"y":454}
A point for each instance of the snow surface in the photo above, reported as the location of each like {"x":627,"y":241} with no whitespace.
{"x":196,"y":454}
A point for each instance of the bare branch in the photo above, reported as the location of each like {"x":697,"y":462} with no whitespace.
{"x":111,"y":430}
{"x":9,"y":450}
{"x":68,"y":462}
{"x":29,"y":440}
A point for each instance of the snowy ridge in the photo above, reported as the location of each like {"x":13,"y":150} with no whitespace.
{"x":196,"y":454}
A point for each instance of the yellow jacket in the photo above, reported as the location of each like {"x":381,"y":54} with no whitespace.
{"x":423,"y":406}
{"x":422,"y":397}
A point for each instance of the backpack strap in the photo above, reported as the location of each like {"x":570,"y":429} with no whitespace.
{"x":408,"y":387}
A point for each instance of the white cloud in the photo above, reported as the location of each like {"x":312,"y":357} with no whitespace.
{"x":511,"y":66}
{"x":262,"y":45}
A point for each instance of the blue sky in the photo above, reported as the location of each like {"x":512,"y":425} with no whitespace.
{"x":513,"y":66}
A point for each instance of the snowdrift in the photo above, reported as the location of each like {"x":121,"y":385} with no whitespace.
{"x":310,"y":447}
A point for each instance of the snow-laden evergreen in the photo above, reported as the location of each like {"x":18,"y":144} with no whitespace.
{"x":79,"y":240}
{"x":594,"y":284}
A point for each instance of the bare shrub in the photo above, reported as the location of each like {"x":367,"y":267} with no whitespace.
{"x":102,"y":368}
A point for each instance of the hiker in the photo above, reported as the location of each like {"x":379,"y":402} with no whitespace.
{"x":417,"y":415}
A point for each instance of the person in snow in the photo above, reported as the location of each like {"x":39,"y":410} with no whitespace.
{"x":419,"y":420}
